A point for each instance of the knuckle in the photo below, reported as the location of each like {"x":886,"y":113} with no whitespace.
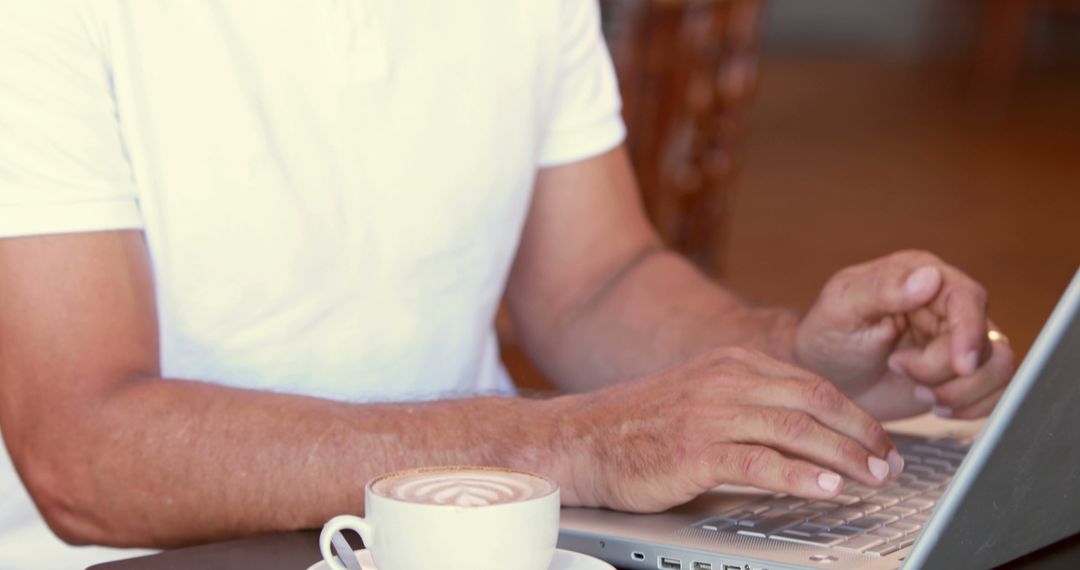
{"x":792,"y":425}
{"x":876,"y":433}
{"x":850,"y":451}
{"x":980,"y":294}
{"x":754,"y":463}
{"x":820,"y":394}
{"x":725,"y":356}
{"x":791,"y":476}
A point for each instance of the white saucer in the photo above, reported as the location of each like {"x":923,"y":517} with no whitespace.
{"x":564,"y":560}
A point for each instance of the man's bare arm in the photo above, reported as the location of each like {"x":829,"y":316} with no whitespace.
{"x":114,"y":454}
{"x":596,"y":298}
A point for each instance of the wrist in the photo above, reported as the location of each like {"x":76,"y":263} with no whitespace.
{"x":778,"y":327}
{"x":561,"y":448}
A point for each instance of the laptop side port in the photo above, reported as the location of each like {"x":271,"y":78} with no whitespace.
{"x":701,"y":566}
{"x":637,"y":555}
{"x":669,"y":563}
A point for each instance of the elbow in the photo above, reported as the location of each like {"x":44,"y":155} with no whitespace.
{"x":66,"y":500}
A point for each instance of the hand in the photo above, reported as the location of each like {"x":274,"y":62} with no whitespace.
{"x":730,"y":416}
{"x":903,"y":334}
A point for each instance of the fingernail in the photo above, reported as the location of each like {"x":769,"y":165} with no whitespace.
{"x":943,"y":411}
{"x":920,"y":280}
{"x":896,"y":462}
{"x":970,"y":363}
{"x":829,"y":481}
{"x":896,"y":368}
{"x":878,"y":468}
{"x":924,"y":395}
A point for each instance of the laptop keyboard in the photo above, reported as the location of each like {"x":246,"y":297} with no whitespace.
{"x":872,"y":521}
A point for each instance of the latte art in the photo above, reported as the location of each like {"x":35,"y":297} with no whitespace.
{"x":464,"y":487}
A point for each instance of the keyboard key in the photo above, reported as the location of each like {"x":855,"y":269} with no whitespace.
{"x":899,"y":493}
{"x":882,"y":518}
{"x":860,"y":543}
{"x":920,"y":471}
{"x":882,"y":500}
{"x":937,"y":477}
{"x":934,"y":495}
{"x":903,"y":542}
{"x":888,"y":533}
{"x":918,"y":503}
{"x":882,"y":549}
{"x":786,"y":502}
{"x":857,"y":490}
{"x":846,"y":499}
{"x":941,"y":464}
{"x":899,"y":512}
{"x":926,"y":450}
{"x":845,"y":531}
{"x":864,"y":524}
{"x":769,"y":526}
{"x":824,"y":505}
{"x":717,"y":526}
{"x":847,"y":514}
{"x":920,"y":518}
{"x":864,"y":507}
{"x":906,"y":527}
{"x":813,"y":540}
{"x":826,"y":522}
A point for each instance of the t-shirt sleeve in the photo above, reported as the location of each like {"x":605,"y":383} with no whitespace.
{"x":585,"y":118}
{"x":62,"y":162}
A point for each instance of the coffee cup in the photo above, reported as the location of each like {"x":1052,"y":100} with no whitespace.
{"x":455,"y":518}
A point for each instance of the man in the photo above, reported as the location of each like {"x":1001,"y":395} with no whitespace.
{"x":253,"y":253}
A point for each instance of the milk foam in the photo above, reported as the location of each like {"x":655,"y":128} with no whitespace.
{"x":463,"y":487}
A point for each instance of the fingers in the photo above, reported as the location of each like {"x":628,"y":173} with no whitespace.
{"x":877,"y":290}
{"x":965,"y":307}
{"x":796,"y":433}
{"x":967,"y":394}
{"x":980,"y":409}
{"x":931,"y":365}
{"x":764,"y":468}
{"x":825,"y":403}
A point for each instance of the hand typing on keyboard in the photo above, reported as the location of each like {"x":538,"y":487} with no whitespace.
{"x":730,"y":416}
{"x":875,"y":521}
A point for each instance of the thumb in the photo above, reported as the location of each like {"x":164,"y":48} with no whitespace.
{"x":890,"y":289}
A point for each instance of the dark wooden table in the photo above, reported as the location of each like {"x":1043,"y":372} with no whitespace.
{"x":299,"y":550}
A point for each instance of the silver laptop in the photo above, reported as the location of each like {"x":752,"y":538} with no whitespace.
{"x":961,"y":502}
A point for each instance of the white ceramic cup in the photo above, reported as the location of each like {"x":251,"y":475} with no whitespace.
{"x":405,"y":535}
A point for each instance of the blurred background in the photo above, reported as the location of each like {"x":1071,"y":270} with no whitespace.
{"x":779,"y":141}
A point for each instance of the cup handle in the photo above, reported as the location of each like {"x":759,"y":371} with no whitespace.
{"x":337,"y":524}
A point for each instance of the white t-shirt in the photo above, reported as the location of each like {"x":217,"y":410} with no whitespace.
{"x":332,"y":191}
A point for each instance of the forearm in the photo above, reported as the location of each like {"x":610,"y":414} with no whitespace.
{"x":656,"y":311}
{"x":165,"y":463}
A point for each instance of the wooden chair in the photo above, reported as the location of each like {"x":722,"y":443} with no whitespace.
{"x":686,"y":71}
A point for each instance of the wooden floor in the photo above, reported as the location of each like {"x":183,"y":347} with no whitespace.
{"x":847,"y":161}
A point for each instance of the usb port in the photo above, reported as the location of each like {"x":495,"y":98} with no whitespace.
{"x":701,"y":566}
{"x":730,"y":567}
{"x":672,"y":563}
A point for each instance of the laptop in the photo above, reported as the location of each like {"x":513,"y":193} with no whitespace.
{"x":962,"y":501}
